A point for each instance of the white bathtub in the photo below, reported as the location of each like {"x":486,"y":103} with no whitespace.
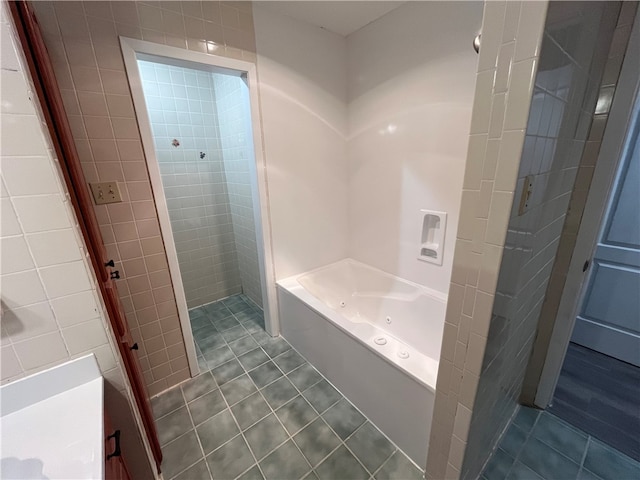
{"x":376,"y":337}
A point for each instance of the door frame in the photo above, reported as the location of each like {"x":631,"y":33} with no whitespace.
{"x":132,"y":50}
{"x":620,"y":124}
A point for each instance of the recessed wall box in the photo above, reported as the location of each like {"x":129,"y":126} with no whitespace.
{"x":434,"y":225}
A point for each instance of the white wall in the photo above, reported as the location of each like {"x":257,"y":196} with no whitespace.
{"x":411,"y":81}
{"x":302,"y":75}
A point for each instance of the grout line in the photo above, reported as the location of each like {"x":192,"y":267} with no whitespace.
{"x":584,"y":454}
{"x":186,"y":405}
{"x":191,"y":465}
{"x":379,"y":469}
{"x":241,"y":433}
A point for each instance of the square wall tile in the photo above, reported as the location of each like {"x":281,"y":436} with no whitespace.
{"x":40,"y":351}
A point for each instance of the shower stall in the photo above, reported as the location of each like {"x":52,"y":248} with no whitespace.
{"x":198,"y":130}
{"x":201,"y":141}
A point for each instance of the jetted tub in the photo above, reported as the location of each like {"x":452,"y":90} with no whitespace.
{"x":376,"y":337}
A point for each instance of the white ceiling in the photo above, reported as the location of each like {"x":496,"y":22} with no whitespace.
{"x":339,"y":17}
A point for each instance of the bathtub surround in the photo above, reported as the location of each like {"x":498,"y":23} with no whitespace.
{"x":358,"y":110}
{"x":410,"y":93}
{"x":82,"y":39}
{"x":507,"y":64}
{"x":303,"y":99}
{"x":52,"y":310}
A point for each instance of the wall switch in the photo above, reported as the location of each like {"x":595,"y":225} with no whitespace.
{"x":106,"y":192}
{"x":527,"y":192}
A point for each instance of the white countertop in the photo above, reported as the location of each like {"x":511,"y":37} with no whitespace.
{"x":51,"y":424}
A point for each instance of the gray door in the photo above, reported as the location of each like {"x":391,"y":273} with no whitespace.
{"x":609,"y":319}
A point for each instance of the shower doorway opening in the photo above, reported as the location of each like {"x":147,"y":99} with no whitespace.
{"x":202,"y":142}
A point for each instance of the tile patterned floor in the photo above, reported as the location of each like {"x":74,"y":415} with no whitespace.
{"x":540,"y":446}
{"x":261,"y":411}
{"x":600,"y":395}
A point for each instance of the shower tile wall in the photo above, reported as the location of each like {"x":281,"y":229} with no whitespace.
{"x":181,"y":107}
{"x":232,"y":103}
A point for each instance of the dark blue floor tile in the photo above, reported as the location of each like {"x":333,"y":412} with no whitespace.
{"x":285,"y":463}
{"x":230,"y":460}
{"x":513,"y":440}
{"x":370,"y":446}
{"x":610,"y":464}
{"x":599,"y":395}
{"x":526,"y":418}
{"x":498,"y":466}
{"x":341,"y":460}
{"x":399,"y":467}
{"x":218,"y":356}
{"x":344,"y":418}
{"x":519,"y":471}
{"x":265,"y":436}
{"x":547,"y":462}
{"x":557,"y":434}
{"x":585,"y":474}
{"x":322,"y":395}
{"x":316,"y":441}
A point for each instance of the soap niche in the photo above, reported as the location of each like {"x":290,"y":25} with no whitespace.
{"x":432,"y":236}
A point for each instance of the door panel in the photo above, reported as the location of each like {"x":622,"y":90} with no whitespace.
{"x":53,"y":110}
{"x":624,"y":229}
{"x":614,"y":299}
{"x":609,"y":319}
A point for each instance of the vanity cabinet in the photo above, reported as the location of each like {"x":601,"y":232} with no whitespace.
{"x":115,"y":467}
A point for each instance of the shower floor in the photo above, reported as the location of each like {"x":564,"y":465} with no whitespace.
{"x":259,"y":410}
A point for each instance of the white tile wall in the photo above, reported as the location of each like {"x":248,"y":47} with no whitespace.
{"x":232,"y":102}
{"x":489,"y":183}
{"x":46,"y":282}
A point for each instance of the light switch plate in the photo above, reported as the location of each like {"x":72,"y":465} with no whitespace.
{"x":105,"y":192}
{"x":527,"y":192}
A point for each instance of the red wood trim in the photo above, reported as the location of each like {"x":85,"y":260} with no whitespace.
{"x":48,"y":93}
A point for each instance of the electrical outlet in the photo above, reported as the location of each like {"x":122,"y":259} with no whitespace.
{"x":527,"y":191}
{"x":106,"y":192}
